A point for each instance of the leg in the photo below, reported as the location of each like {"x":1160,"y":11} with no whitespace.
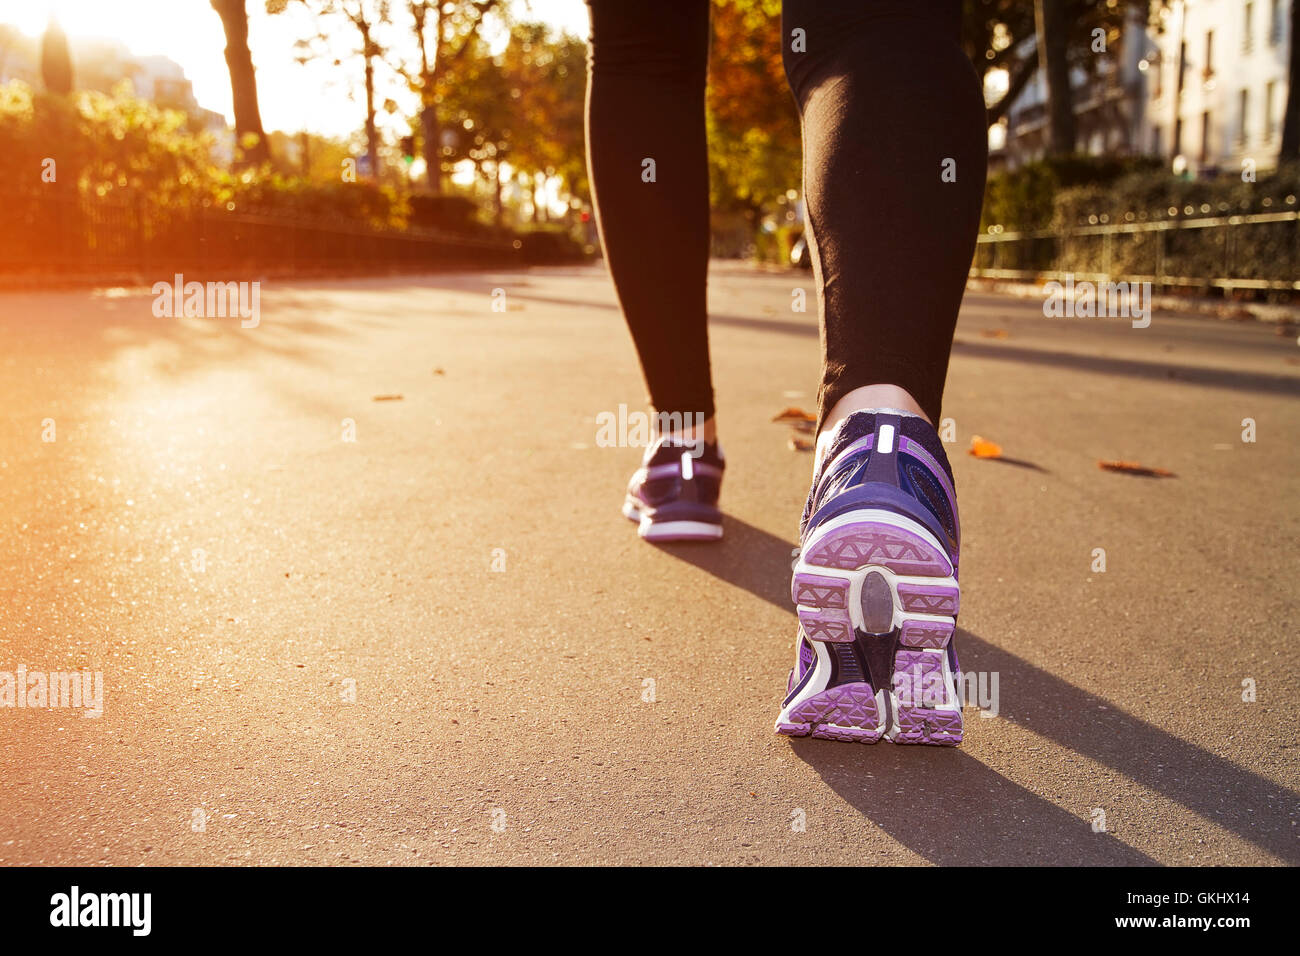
{"x":895,"y":155}
{"x":891,"y":113}
{"x":645,"y":101}
{"x":647,"y":156}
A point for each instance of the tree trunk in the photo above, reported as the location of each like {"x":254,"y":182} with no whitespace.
{"x":430,"y":128}
{"x":432,"y":131}
{"x":1049,"y":18}
{"x":1291,"y":123}
{"x":250,"y":139}
{"x":372,"y":138}
{"x":1018,"y":80}
{"x":56,"y":60}
{"x":499,"y":212}
{"x":539,"y":209}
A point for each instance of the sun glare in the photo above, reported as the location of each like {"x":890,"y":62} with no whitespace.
{"x":316,"y":96}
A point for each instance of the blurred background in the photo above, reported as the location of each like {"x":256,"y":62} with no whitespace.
{"x":1149,"y":139}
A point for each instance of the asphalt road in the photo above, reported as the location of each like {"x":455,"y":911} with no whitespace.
{"x":440,"y":642}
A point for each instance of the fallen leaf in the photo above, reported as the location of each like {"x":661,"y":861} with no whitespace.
{"x":799,"y":443}
{"x":995,"y":333}
{"x":793,"y":414}
{"x":1133,"y":468}
{"x":387,"y":398}
{"x":438,"y":371}
{"x":983,"y":448}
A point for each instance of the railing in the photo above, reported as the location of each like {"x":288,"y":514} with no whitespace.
{"x":43,"y":235}
{"x":1256,"y":252}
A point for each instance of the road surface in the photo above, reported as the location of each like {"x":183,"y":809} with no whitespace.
{"x":439,"y":643}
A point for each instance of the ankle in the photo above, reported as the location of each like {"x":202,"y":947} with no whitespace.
{"x":686,"y":428}
{"x":865,"y":398}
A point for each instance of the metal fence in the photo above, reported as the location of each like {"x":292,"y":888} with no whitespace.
{"x":52,"y":236}
{"x":1259,"y":252}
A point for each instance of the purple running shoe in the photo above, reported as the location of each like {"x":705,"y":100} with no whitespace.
{"x":674,"y":494}
{"x":876,"y":590}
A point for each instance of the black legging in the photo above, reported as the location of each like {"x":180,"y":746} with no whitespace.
{"x":888,"y":101}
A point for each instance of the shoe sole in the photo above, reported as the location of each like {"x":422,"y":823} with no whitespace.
{"x":878,"y":601}
{"x":652,"y":530}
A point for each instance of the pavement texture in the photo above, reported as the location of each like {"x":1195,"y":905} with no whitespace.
{"x":441,"y":643}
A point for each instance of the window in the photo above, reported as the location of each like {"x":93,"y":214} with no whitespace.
{"x":1209,"y":54}
{"x":1274,"y":22}
{"x":1205,"y":138}
{"x":1248,"y":29}
{"x":1182,"y":65}
{"x":1155,"y":141}
{"x":1270,"y":91}
{"x":1243,"y":108}
{"x":1178,"y":136}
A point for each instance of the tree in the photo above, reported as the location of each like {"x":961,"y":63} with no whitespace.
{"x":1291,"y":122}
{"x":1003,"y":35}
{"x":445,"y":30}
{"x":249,"y":135}
{"x":546,"y":82}
{"x":754,"y":138}
{"x":478,"y":106}
{"x":366,"y":17}
{"x":1053,"y":39}
{"x":999,"y":35}
{"x":56,"y":60}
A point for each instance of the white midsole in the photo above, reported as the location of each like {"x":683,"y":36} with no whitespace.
{"x":673,"y":529}
{"x":822,"y":666}
{"x":855,"y":578}
{"x":650,"y":530}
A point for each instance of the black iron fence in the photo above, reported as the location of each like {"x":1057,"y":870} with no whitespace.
{"x":1258,"y":253}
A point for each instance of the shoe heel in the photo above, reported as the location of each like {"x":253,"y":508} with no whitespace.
{"x":878,"y":579}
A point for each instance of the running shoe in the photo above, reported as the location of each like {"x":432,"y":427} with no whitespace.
{"x":673,"y":496}
{"x":875,"y":587}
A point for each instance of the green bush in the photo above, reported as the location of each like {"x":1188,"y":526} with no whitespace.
{"x":550,"y":245}
{"x":270,"y":194}
{"x":1025,"y":198}
{"x":1062,"y":197}
{"x":1254,"y":251}
{"x":101,"y":145}
{"x":118,"y":150}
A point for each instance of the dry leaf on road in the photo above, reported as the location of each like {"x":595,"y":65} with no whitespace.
{"x":1133,"y":468}
{"x":793,"y":414}
{"x":983,"y":448}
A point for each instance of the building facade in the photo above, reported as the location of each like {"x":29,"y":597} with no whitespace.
{"x":1218,"y":83}
{"x":1201,"y":83}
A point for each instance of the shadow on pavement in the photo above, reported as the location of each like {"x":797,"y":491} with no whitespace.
{"x":1020,"y":463}
{"x":955,"y":811}
{"x":1258,"y":382}
{"x":981,"y":816}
